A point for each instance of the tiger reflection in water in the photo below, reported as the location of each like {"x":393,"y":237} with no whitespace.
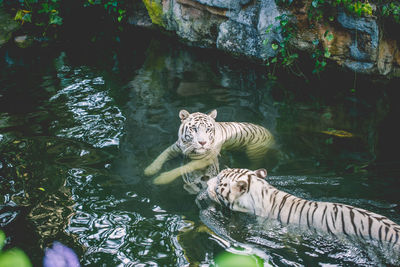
{"x":201,"y":138}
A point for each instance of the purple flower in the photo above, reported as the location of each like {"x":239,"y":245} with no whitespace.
{"x":60,"y":256}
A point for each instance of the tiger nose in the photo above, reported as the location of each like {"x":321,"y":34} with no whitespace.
{"x":202,"y":143}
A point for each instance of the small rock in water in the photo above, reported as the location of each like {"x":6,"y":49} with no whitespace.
{"x":23,"y":41}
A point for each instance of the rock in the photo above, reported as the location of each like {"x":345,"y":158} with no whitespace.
{"x":365,"y":36}
{"x":266,"y":17}
{"x":236,"y":37}
{"x":196,"y":24}
{"x":23,"y":41}
{"x":386,"y":56}
{"x":155,"y":11}
{"x":240,"y":27}
{"x":225,"y":4}
{"x":360,"y":67}
{"x":140,"y":18}
{"x":7,"y":26}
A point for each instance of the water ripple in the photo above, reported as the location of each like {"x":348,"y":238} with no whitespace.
{"x":97,"y":120}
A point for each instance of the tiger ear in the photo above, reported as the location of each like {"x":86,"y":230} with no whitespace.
{"x":213,"y":114}
{"x":242,"y":186}
{"x":261,"y":173}
{"x":183,"y":114}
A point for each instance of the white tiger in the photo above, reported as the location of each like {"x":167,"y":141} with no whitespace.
{"x":246,"y":191}
{"x":201,"y":139}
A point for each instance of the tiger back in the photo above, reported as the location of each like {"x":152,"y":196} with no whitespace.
{"x":246,"y":191}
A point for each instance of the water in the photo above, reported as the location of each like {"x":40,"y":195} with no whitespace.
{"x":78,"y":125}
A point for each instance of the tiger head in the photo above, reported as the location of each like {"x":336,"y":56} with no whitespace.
{"x":196,"y":135}
{"x":231,"y":188}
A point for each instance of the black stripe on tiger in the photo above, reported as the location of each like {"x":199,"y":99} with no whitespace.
{"x":255,"y":195}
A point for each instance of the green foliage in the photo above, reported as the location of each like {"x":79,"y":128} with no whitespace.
{"x":322,"y":11}
{"x":116,"y":8}
{"x":284,"y":56}
{"x":392,"y":10}
{"x":45,"y":13}
{"x":13,"y":257}
{"x":284,"y":2}
{"x":41,"y":13}
{"x":329,"y":141}
{"x":319,"y":8}
{"x":320,"y":53}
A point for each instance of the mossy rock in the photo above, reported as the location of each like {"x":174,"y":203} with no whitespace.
{"x":155,"y":10}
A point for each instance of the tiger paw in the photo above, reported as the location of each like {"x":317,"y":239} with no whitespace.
{"x":152,"y":169}
{"x":165,"y":178}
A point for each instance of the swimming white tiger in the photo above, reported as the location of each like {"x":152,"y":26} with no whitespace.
{"x":246,"y":191}
{"x":201,"y":139}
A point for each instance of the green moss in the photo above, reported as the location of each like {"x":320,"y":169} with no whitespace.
{"x":155,"y":10}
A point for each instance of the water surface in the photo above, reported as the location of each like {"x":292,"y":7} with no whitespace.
{"x":79,"y":125}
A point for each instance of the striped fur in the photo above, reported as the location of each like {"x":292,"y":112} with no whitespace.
{"x":201,"y":138}
{"x":247,"y":191}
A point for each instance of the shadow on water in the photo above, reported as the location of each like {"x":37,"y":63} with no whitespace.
{"x":79,"y":125}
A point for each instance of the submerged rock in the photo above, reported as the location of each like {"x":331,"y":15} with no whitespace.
{"x":23,"y":41}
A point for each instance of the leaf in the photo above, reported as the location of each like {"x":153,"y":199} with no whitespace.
{"x":327,"y":115}
{"x":2,"y":239}
{"x":228,"y":259}
{"x":314,"y":3}
{"x":269,"y":28}
{"x":41,"y":189}
{"x":315,"y":42}
{"x":27,"y":17}
{"x":329,"y":37}
{"x":14,"y":257}
{"x":55,"y":19}
{"x":274,"y":46}
{"x":327,"y":53}
{"x":18,"y":16}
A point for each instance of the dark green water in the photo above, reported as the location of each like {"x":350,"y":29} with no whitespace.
{"x":78,"y":125}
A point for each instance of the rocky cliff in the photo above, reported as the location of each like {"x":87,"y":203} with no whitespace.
{"x":240,"y":27}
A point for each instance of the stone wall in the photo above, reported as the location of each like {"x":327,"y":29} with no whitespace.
{"x":239,"y":27}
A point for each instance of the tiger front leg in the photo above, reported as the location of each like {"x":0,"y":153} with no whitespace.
{"x":169,"y":176}
{"x":156,"y":165}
